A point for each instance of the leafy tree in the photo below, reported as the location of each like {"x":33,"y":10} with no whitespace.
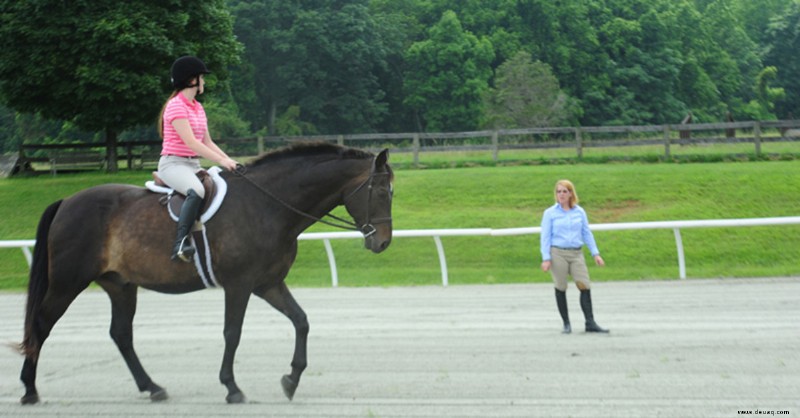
{"x":104,"y":65}
{"x":320,"y":55}
{"x":756,"y":16}
{"x":783,"y":43}
{"x":720,"y":42}
{"x":412,"y":17}
{"x":289,"y":123}
{"x":447,"y":75}
{"x":623,"y":61}
{"x":741,"y":53}
{"x":224,"y":120}
{"x":31,"y":128}
{"x":763,"y":106}
{"x":9,"y":141}
{"x":526,"y":94}
{"x":400,"y":23}
{"x":257,"y":87}
{"x":497,"y":20}
{"x":644,"y":70}
{"x":565,"y":36}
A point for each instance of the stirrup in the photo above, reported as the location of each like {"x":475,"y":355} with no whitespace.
{"x":184,"y":252}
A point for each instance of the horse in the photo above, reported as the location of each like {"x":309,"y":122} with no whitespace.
{"x":120,"y":236}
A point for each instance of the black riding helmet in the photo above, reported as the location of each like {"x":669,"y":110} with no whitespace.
{"x":184,"y":69}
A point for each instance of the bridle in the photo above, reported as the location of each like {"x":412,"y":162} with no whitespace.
{"x":367,"y":228}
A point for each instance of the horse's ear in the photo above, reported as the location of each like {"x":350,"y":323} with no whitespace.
{"x":382,"y":158}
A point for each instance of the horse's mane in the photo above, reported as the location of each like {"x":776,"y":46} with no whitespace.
{"x":311,"y":150}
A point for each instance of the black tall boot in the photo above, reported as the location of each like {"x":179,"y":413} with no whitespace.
{"x":586,"y":305}
{"x":183,"y":249}
{"x":561,"y":301}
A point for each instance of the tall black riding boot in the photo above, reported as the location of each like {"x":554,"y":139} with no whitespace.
{"x":561,"y":301}
{"x":183,"y":249}
{"x":586,"y":305}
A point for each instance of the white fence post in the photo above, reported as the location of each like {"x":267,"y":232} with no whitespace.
{"x":442,"y":259}
{"x":331,"y":262}
{"x":28,"y":255}
{"x":681,"y":259}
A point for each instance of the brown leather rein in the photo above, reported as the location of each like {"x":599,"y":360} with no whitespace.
{"x":367,"y":228}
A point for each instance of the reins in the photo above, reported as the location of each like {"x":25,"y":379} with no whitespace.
{"x":345,"y":224}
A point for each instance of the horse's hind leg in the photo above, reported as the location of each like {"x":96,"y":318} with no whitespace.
{"x":281,"y":299}
{"x":123,"y":308}
{"x":51,"y":309}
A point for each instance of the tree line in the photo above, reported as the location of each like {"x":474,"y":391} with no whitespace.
{"x":98,"y":71}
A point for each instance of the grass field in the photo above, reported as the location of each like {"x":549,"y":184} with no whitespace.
{"x":515,"y":196}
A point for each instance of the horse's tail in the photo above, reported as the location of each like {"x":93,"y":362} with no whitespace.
{"x":39,"y":282}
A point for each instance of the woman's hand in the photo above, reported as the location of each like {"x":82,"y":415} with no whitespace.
{"x":599,"y":260}
{"x":228,"y":164}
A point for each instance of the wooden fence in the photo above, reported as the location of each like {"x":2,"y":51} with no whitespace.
{"x":88,"y":156}
{"x":577,"y":138}
{"x":141,"y":154}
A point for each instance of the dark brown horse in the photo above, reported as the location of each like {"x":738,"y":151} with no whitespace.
{"x":119,"y":236}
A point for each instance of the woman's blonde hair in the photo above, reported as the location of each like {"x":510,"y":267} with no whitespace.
{"x":573,"y":197}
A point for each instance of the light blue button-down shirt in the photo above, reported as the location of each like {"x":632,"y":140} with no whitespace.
{"x":566,"y":229}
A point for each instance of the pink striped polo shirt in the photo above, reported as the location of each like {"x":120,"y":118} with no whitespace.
{"x":179,"y":107}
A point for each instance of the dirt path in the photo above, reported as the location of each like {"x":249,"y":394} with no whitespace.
{"x":677,"y":348}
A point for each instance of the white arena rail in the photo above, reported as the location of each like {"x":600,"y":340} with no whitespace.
{"x":436,"y":234}
{"x":25,"y":244}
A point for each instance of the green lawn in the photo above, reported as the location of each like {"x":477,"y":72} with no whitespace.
{"x":515,"y":196}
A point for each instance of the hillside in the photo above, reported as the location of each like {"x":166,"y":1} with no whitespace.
{"x":504,"y":197}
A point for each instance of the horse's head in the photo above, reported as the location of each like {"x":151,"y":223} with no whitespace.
{"x":370,"y":204}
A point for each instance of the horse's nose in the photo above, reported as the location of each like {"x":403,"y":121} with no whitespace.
{"x":378,"y":246}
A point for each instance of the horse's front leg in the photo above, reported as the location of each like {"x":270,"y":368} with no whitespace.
{"x":235,"y":306}
{"x":281,"y":299}
{"x":123,"y":309}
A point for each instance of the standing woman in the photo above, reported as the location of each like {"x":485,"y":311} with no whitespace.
{"x":565,"y":230}
{"x":184,"y":129}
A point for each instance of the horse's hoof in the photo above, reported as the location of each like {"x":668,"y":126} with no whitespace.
{"x":158,"y":395}
{"x":30,"y":399}
{"x":289,"y":386}
{"x":236,"y":398}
